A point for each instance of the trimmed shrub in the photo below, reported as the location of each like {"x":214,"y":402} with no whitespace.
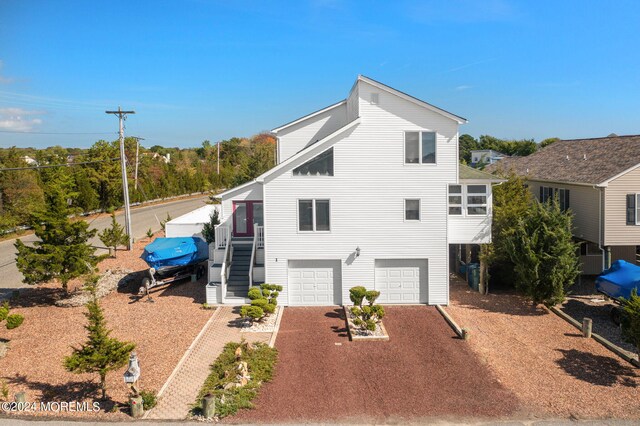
{"x":357,"y":294}
{"x":254,"y":293}
{"x":371,"y":296}
{"x":254,"y":313}
{"x":4,"y":311}
{"x":14,"y":321}
{"x":261,"y":302}
{"x":631,"y":319}
{"x":269,"y":308}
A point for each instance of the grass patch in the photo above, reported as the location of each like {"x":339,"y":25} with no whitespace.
{"x":261,"y":360}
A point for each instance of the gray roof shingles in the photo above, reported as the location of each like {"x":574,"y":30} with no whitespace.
{"x":587,"y":161}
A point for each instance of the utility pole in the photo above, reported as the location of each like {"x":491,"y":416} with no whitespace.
{"x":218,"y":157}
{"x":122,"y":115}
{"x":135,"y":175}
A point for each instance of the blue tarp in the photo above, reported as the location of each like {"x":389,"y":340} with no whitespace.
{"x":178,"y":251}
{"x":619,"y":280}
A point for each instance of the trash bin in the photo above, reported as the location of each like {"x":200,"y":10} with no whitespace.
{"x":474,"y":275}
{"x":462,"y":268}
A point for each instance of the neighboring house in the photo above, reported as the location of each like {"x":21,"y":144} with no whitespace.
{"x":190,"y":224}
{"x":367,"y":191}
{"x":599,"y":180}
{"x":30,"y":161}
{"x":485,"y":156}
{"x":165,"y":158}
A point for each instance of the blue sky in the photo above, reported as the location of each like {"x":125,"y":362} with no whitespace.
{"x":199,"y":69}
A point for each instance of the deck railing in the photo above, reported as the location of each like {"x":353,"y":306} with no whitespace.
{"x":259,"y":233}
{"x":223,"y":235}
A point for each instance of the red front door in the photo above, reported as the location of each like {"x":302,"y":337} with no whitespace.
{"x":245,"y":214}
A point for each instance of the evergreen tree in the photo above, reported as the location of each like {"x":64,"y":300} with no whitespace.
{"x":114,"y":236}
{"x":543,"y":253}
{"x":101,"y":353}
{"x":63,"y":251}
{"x":209,"y":229}
{"x":631,"y":319}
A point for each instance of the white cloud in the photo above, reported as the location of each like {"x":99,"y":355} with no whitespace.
{"x":18,"y":119}
{"x":463,"y":87}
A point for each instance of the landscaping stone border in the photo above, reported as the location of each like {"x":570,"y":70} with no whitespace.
{"x":353,"y":336}
{"x":462,"y":333}
{"x":604,"y":342}
{"x":274,"y":333}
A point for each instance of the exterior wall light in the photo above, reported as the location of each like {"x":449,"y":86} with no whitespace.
{"x":358,"y":251}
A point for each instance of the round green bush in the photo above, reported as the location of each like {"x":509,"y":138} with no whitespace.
{"x":269,"y":308}
{"x":261,"y":302}
{"x":14,"y":321}
{"x":254,"y":293}
{"x":356,"y":294}
{"x":255,"y":313}
{"x":149,"y":399}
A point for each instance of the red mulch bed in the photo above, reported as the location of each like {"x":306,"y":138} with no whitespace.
{"x":422,"y":372}
{"x":162,"y":332}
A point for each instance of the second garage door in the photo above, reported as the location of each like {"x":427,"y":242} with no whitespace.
{"x":401,"y":280}
{"x":314,"y":282}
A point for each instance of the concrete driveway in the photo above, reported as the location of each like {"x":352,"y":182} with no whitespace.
{"x":423,"y":372}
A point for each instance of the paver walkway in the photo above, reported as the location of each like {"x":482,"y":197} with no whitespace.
{"x":180,"y":392}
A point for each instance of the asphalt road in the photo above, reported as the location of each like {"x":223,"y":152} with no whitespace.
{"x":142,"y":218}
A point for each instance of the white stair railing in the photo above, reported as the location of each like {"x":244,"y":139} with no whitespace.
{"x":222,"y":241}
{"x":253,"y":253}
{"x":222,"y":236}
{"x":260,"y":236}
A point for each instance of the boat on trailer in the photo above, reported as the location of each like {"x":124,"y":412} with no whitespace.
{"x":173,"y":259}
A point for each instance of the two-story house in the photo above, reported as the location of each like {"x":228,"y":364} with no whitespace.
{"x":599,"y":180}
{"x":367,"y":191}
{"x":485,"y":156}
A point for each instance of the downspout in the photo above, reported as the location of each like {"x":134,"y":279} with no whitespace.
{"x":600,"y":230}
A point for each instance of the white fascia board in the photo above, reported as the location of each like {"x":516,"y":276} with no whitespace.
{"x":236,"y":189}
{"x":308,"y":116}
{"x":312,"y":149}
{"x":381,"y":86}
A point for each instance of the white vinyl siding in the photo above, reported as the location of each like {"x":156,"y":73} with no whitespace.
{"x":293,"y":139}
{"x":366,"y":206}
{"x":463,"y":228}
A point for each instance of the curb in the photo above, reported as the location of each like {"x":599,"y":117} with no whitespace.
{"x":184,"y":358}
{"x":456,"y":328}
{"x":604,"y":342}
{"x":276,"y":328}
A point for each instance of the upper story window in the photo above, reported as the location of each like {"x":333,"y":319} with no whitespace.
{"x":470,"y":198}
{"x":548,"y":193}
{"x":633,"y":207}
{"x":476,"y":199}
{"x":320,"y":165}
{"x":412,"y":209}
{"x":455,"y":199}
{"x":314,"y":215}
{"x":419,"y":147}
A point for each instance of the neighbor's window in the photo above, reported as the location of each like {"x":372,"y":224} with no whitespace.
{"x":476,"y":199}
{"x":314,"y":215}
{"x":455,"y":199}
{"x":419,"y":147}
{"x":412,"y":209}
{"x":632,"y":208}
{"x":320,"y":165}
{"x":563,"y":198}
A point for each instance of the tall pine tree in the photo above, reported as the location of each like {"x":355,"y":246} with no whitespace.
{"x":101,"y":353}
{"x":62,"y":251}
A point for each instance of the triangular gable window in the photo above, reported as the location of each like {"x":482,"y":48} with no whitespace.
{"x":320,"y":165}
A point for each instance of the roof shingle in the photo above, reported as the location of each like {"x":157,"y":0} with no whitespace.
{"x":588,"y":161}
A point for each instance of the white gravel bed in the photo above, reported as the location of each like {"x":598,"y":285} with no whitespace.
{"x":108,"y":282}
{"x":357,"y":331}
{"x":266,"y":326}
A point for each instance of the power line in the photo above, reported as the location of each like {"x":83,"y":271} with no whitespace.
{"x":57,"y":165}
{"x":57,"y":133}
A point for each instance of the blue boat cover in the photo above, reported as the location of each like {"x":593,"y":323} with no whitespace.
{"x":619,"y":280}
{"x":178,"y":251}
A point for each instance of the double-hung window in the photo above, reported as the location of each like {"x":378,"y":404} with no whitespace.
{"x":476,"y":199}
{"x":419,"y":147}
{"x":455,"y":199}
{"x":563,"y":198}
{"x":412,"y":209}
{"x":314,"y":215}
{"x":633,"y":209}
